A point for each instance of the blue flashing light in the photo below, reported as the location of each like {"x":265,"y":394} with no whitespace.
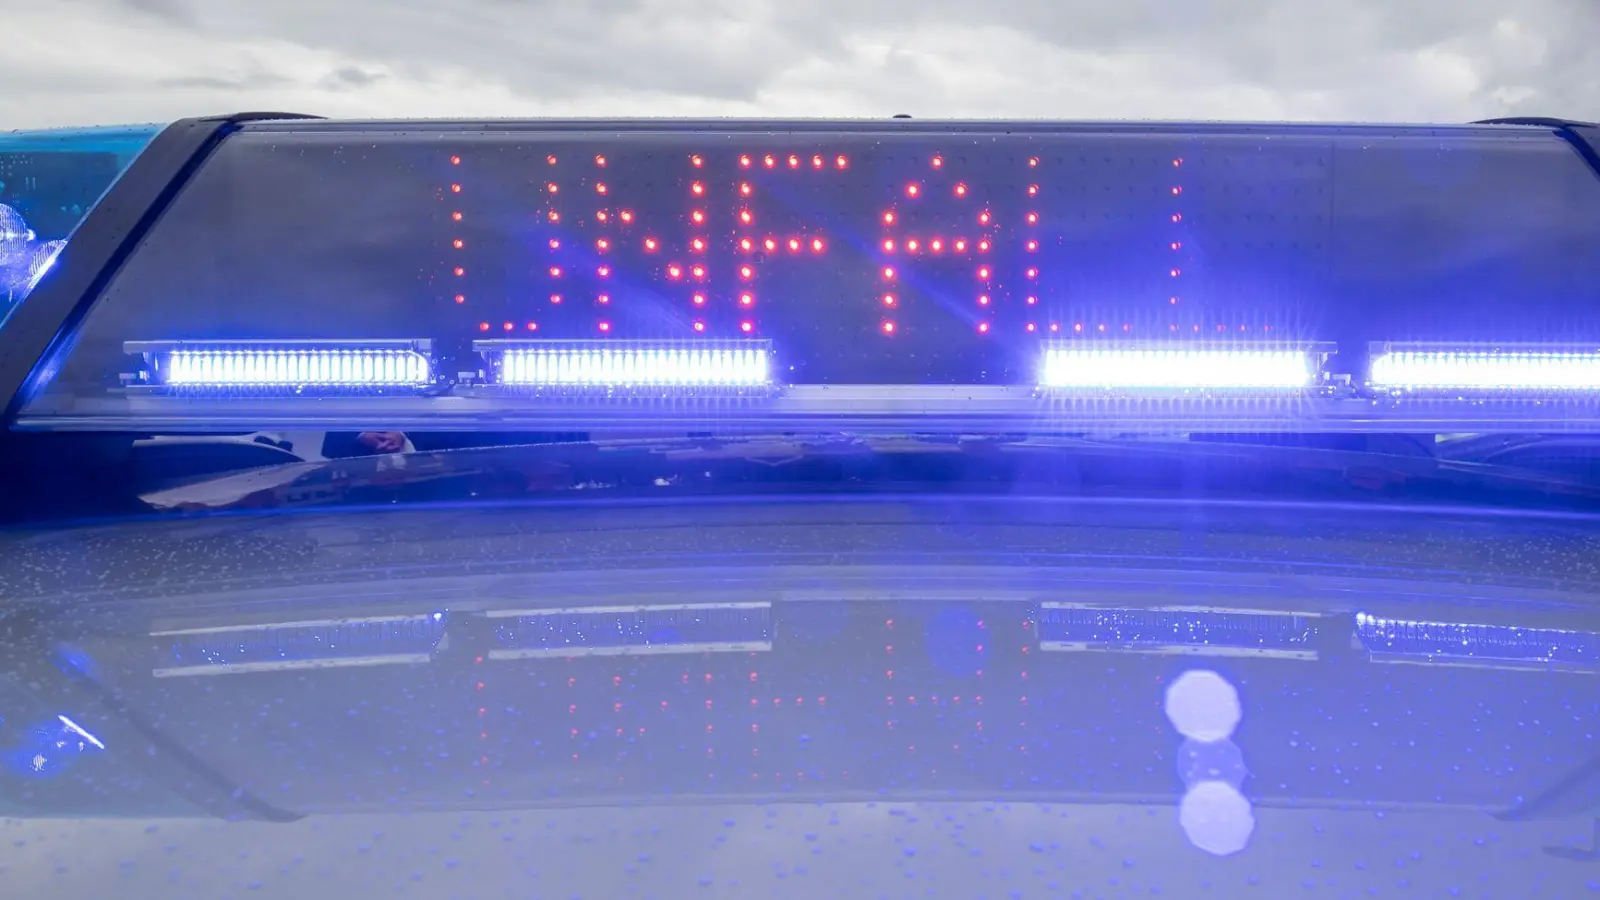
{"x":1477,"y":646}
{"x":632,"y":630}
{"x":625,"y":365}
{"x":285,"y":646}
{"x":292,"y":366}
{"x":50,"y":748}
{"x":1178,"y":631}
{"x":1421,"y":368}
{"x":1172,"y":367}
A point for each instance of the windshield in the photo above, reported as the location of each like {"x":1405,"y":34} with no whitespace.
{"x":771,"y":506}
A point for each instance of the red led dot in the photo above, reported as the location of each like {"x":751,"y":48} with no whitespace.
{"x":888,"y":273}
{"x":961,"y":190}
{"x":961,"y":245}
{"x":889,"y":300}
{"x":699,"y":326}
{"x":936,"y":245}
{"x":983,"y":217}
{"x":554,"y":216}
{"x":455,"y":188}
{"x":1055,"y":326}
{"x":455,"y":216}
{"x":1033,"y":218}
{"x":1173,"y":300}
{"x":816,"y":245}
{"x":912,"y":189}
{"x":650,"y":244}
{"x":1177,"y":162}
{"x":459,"y":271}
{"x":769,"y":162}
{"x":983,"y":327}
{"x":794,"y":162}
{"x":600,"y":161}
{"x":483,"y":326}
{"x":746,"y":272}
{"x":555,"y":243}
{"x":745,"y":216}
{"x":816,"y":162}
{"x":840,"y":162}
{"x":888,"y":328}
{"x":1032,"y":327}
{"x":697,"y":245}
{"x":1177,"y":217}
{"x":1175,"y":273}
{"x":983,"y":246}
{"x":698,"y":271}
{"x":1032,"y":300}
{"x":555,"y":298}
{"x":603,"y":271}
{"x":745,"y":189}
{"x":888,"y":218}
{"x":983,"y":272}
{"x":605,"y":326}
{"x":747,"y":299}
{"x":1032,"y":273}
{"x":698,"y":216}
{"x":1033,"y":190}
{"x":938,"y":162}
{"x":1176,"y":245}
{"x":603,"y":299}
{"x":601,"y":216}
{"x":458,"y":243}
{"x":533,"y":326}
{"x":983,"y":299}
{"x":550,"y":160}
{"x":461,"y":298}
{"x":697,"y":189}
{"x":912,"y":245}
{"x":770,"y":244}
{"x":794,"y":245}
{"x":1033,"y":162}
{"x":696,"y":161}
{"x":1032,"y":245}
{"x":507,"y":326}
{"x":747,"y":326}
{"x":888,"y":246}
{"x":745,"y":244}
{"x":1177,"y":189}
{"x":699,"y":299}
{"x":626,"y":215}
{"x":744,"y":161}
{"x":600,"y":188}
{"x":602,"y":245}
{"x":455,"y":160}
{"x":674,"y":272}
{"x":555,"y":271}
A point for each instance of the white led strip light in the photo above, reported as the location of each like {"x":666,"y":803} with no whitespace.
{"x":271,"y":367}
{"x":595,"y":366}
{"x":1486,"y":370}
{"x":1158,"y":368}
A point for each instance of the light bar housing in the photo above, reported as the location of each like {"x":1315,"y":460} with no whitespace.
{"x":294,"y":366}
{"x":632,"y":630}
{"x":1178,"y":631}
{"x":289,"y":646}
{"x":1473,"y":645}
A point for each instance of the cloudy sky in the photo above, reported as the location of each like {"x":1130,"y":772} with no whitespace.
{"x":68,"y":62}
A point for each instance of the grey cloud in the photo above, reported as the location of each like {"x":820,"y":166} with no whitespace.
{"x":348,"y":78}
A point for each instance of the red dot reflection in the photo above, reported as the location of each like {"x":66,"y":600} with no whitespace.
{"x":840,"y":162}
{"x":459,"y":271}
{"x":747,"y":299}
{"x":650,"y":244}
{"x":696,"y":161}
{"x":699,"y":299}
{"x":961,"y":245}
{"x":770,"y":244}
{"x":600,"y":216}
{"x":936,"y":245}
{"x":461,"y":298}
{"x":913,"y":189}
{"x":602,"y":245}
{"x":603,"y":271}
{"x":626,"y":215}
{"x":1032,"y":327}
{"x":888,"y":273}
{"x":698,"y":271}
{"x":888,"y":218}
{"x":1033,"y":218}
{"x":699,"y":326}
{"x":816,"y":162}
{"x":555,"y":271}
{"x":458,"y":243}
{"x":794,"y":162}
{"x":674,"y":272}
{"x":533,"y":326}
{"x":983,"y":327}
{"x":555,"y":298}
{"x":745,"y":216}
{"x":554,"y":216}
{"x":889,"y":300}
{"x":455,"y":160}
{"x":888,"y":327}
{"x":455,"y":188}
{"x":600,"y":188}
{"x":744,"y":161}
{"x":507,"y":326}
{"x":747,"y":327}
{"x":603,"y":299}
{"x":605,"y":326}
{"x":961,"y":190}
{"x":698,"y":245}
{"x":1032,"y":300}
{"x":697,"y":189}
{"x":698,"y":216}
{"x":769,"y":162}
{"x":746,"y":272}
{"x":483,"y":326}
{"x":816,"y":245}
{"x":746,"y":244}
{"x":550,"y":160}
{"x":1032,"y":245}
{"x":912,"y":245}
{"x":888,"y":246}
{"x":983,"y":272}
{"x":983,"y":217}
{"x":983,"y":246}
{"x":1033,"y":161}
{"x":794,"y":245}
{"x":600,"y":161}
{"x":455,"y":217}
{"x":983,"y":299}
